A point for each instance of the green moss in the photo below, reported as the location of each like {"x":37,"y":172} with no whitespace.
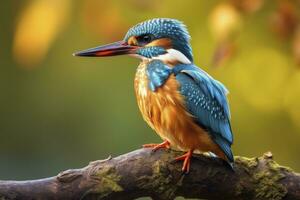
{"x":163,"y":179}
{"x":247,"y":164}
{"x":268,"y":182}
{"x":266,"y":178}
{"x":108,"y":181}
{"x":160,"y":180}
{"x":157,"y":167}
{"x":238,"y":190}
{"x":275,"y":166}
{"x":267,"y":186}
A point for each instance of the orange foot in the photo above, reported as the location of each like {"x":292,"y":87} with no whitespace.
{"x":165,"y":144}
{"x":186,"y":160}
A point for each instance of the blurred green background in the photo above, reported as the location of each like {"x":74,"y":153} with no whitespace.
{"x":60,"y":111}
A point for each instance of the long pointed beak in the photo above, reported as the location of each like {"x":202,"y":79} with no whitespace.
{"x":114,"y":49}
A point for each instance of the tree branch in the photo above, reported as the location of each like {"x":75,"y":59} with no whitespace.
{"x":145,"y":173}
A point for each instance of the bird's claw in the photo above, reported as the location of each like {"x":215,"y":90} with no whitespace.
{"x":186,"y":161}
{"x":165,"y":144}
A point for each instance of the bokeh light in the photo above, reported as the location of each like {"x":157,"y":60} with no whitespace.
{"x":38,"y":25}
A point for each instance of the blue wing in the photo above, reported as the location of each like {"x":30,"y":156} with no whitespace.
{"x":206,"y":100}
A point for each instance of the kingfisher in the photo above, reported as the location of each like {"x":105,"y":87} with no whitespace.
{"x":182,"y":103}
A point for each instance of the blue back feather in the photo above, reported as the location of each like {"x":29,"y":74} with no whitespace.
{"x":206,"y":100}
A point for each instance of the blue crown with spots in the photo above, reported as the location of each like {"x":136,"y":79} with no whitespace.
{"x":163,"y":28}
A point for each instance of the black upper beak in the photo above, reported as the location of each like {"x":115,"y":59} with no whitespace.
{"x":114,"y":49}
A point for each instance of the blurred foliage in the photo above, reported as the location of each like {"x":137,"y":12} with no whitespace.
{"x":38,"y":25}
{"x":60,"y":112}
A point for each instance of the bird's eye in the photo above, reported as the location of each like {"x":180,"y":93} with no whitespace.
{"x":145,"y":39}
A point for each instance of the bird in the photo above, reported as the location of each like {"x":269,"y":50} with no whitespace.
{"x":182,"y":103}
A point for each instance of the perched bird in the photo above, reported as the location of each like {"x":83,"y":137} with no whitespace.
{"x":186,"y":107}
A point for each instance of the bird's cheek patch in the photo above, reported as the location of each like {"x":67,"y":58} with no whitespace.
{"x":132,"y":41}
{"x":166,"y":43}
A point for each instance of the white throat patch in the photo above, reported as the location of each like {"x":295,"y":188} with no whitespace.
{"x":172,"y":55}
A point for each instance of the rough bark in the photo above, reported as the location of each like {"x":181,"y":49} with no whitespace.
{"x":145,"y":173}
